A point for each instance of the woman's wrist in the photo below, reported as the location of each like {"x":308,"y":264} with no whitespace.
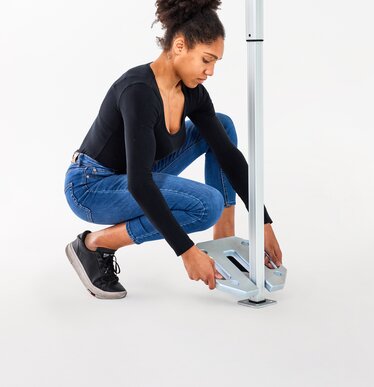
{"x":188,"y":253}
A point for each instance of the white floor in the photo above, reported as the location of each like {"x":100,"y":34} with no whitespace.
{"x":171,"y":331}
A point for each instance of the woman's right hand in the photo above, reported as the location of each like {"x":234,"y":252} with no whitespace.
{"x":200,"y":266}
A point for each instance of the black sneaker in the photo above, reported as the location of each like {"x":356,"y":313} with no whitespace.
{"x":96,"y":269}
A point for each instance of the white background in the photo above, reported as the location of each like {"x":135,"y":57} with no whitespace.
{"x":58,"y":59}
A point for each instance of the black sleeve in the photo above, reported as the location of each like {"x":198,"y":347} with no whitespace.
{"x":140,"y":115}
{"x":228,"y":155}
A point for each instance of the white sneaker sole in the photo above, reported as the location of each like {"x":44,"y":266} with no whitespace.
{"x":78,"y":267}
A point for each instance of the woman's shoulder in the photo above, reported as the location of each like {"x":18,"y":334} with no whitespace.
{"x":138,"y":75}
{"x":141,"y":71}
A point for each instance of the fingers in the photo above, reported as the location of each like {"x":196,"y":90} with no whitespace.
{"x":217,"y":274}
{"x":271,"y":257}
{"x":278,"y":255}
{"x":267,"y":262}
{"x":212,"y":277}
{"x":212,"y":282}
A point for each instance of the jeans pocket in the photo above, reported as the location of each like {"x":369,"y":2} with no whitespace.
{"x":94,"y":174}
{"x":76,"y":173}
{"x":82,"y":212}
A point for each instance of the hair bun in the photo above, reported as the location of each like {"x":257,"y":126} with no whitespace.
{"x":176,"y":12}
{"x":196,"y":20}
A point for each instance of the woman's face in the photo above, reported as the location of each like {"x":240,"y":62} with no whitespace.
{"x":194,"y":66}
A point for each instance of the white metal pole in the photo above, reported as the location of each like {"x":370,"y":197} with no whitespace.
{"x":227,"y":250}
{"x":254,"y":38}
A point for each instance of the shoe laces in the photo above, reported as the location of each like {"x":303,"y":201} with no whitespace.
{"x":110,"y":267}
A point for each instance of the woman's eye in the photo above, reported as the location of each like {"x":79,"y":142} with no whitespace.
{"x":205,"y":61}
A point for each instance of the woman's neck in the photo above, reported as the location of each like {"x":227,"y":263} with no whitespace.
{"x":165,"y":74}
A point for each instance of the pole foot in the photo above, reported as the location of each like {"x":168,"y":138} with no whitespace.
{"x":257,"y":304}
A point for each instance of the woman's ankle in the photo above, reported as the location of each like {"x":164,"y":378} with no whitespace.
{"x":113,"y":237}
{"x":89,"y":242}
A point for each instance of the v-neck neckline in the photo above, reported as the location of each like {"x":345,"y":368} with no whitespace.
{"x":181,"y":124}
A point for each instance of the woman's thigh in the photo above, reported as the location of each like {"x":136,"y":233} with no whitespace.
{"x":106,"y":199}
{"x":194,"y":146}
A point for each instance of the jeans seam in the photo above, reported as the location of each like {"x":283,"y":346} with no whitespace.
{"x":69,"y":191}
{"x":204,"y":212}
{"x":177,"y":158}
{"x":223,"y":187}
{"x":131,"y":235}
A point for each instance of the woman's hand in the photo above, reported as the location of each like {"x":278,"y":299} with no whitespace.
{"x":200,"y":266}
{"x":271,"y":247}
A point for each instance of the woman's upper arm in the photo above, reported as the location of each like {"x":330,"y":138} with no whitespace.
{"x":140,"y":115}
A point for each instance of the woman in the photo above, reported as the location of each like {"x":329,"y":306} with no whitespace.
{"x":125,"y":173}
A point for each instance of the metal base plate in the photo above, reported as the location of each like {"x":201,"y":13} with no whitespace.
{"x":256,"y":304}
{"x":231,"y":257}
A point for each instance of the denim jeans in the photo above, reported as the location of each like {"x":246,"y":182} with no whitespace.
{"x":98,"y":195}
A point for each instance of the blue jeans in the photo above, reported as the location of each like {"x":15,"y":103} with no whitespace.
{"x":98,"y":195}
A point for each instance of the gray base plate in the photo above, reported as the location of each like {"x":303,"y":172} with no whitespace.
{"x":231,"y":257}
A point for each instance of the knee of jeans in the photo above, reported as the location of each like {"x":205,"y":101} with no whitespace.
{"x":229,"y":126}
{"x":215,"y":205}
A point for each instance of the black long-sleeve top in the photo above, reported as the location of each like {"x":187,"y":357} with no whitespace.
{"x":129,"y":134}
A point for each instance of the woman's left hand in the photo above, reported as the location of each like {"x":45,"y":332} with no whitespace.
{"x":271,"y":247}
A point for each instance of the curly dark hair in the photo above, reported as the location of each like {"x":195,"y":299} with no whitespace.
{"x":197,"y":20}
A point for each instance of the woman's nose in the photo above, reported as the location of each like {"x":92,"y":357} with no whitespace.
{"x":209,"y":72}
